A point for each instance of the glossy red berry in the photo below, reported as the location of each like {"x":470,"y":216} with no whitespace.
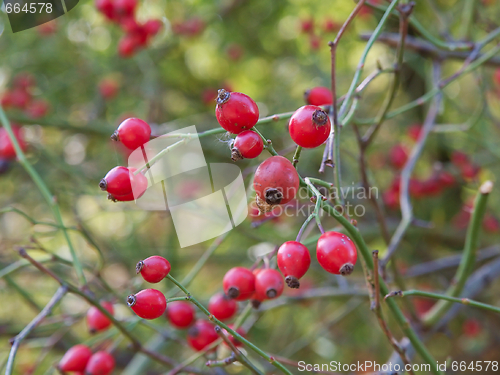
{"x":239,"y":283}
{"x":75,"y":359}
{"x":7,"y":150}
{"x":247,"y":145}
{"x":96,"y":320}
{"x":153,"y":269}
{"x":201,"y":334}
{"x":222,"y":307}
{"x":133,"y":133}
{"x":180,"y":314}
{"x":309,"y":126}
{"x":148,"y":303}
{"x":268,"y":284}
{"x":122,"y":181}
{"x":318,"y":96}
{"x":336,"y":253}
{"x":101,"y":363}
{"x":293,"y":261}
{"x":275,"y":182}
{"x":235,"y":111}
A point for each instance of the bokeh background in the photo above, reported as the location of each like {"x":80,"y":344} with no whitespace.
{"x":272,"y":51}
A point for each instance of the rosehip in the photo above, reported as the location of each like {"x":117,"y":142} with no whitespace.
{"x":148,"y":303}
{"x":108,"y":88}
{"x":201,"y":334}
{"x":7,"y":150}
{"x":133,"y":133}
{"x":125,"y":8}
{"x":127,"y":46}
{"x":235,"y":111}
{"x":96,"y":320}
{"x":121,"y":181}
{"x":268,"y":284}
{"x":20,"y":98}
{"x":414,"y":131}
{"x":398,"y":156}
{"x":276,"y":182}
{"x":101,"y":363}
{"x":153,"y":269}
{"x":459,"y":158}
{"x":247,"y":145}
{"x":336,"y":253}
{"x":75,"y":359}
{"x":180,"y":314}
{"x":307,"y":25}
{"x":239,"y":283}
{"x":38,"y":108}
{"x":293,"y":261}
{"x":309,"y":126}
{"x":233,"y":339}
{"x":222,"y":307}
{"x":318,"y":96}
{"x":106,"y":7}
{"x":152,"y":27}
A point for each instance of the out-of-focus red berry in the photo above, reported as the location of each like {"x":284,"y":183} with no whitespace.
{"x":38,"y":108}
{"x":47,"y":28}
{"x":234,"y":52}
{"x":414,"y":131}
{"x":108,"y":88}
{"x":127,"y":46}
{"x":330,"y":26}
{"x":398,"y":156}
{"x":314,"y":42}
{"x":307,"y":25}
{"x":471,"y":328}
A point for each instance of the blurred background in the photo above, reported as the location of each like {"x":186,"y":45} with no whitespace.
{"x":70,"y":82}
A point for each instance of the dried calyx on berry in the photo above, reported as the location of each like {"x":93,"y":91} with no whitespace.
{"x":292,"y":282}
{"x":222,"y":96}
{"x":319,"y":117}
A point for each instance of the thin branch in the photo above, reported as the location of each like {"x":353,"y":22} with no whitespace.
{"x":16,"y":342}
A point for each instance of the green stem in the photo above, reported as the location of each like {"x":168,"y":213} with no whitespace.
{"x":44,"y":190}
{"x":463,"y":301}
{"x":232,"y":332}
{"x":469,"y":256}
{"x":467,"y":18}
{"x":296,"y":156}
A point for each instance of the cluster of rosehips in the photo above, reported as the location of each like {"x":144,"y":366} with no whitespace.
{"x":307,"y":26}
{"x":79,"y":358}
{"x":152,"y":304}
{"x":125,"y":184}
{"x":137,"y":35}
{"x":19,"y":97}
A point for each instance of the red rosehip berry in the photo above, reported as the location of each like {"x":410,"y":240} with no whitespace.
{"x":459,"y":158}
{"x":398,"y":156}
{"x":121,"y":181}
{"x":108,"y":88}
{"x":96,"y":320}
{"x":318,"y":96}
{"x":201,"y":334}
{"x":101,"y":363}
{"x":23,"y":81}
{"x":148,"y":303}
{"x":240,"y":331}
{"x":275,"y":182}
{"x":247,"y":145}
{"x":471,"y":328}
{"x":38,"y":108}
{"x":20,"y":98}
{"x":414,"y":131}
{"x":309,"y":126}
{"x":222,"y":307}
{"x":7,"y":150}
{"x":181,"y":314}
{"x":127,"y":46}
{"x":307,"y":25}
{"x":336,"y":253}
{"x":314,"y":42}
{"x":268,"y":284}
{"x":133,"y":133}
{"x":153,"y":269}
{"x":446,"y":179}
{"x":239,"y":283}
{"x":152,"y":27}
{"x":293,"y":261}
{"x":107,"y":8}
{"x":330,"y":25}
{"x":235,"y":111}
{"x":75,"y":359}
{"x":125,"y":8}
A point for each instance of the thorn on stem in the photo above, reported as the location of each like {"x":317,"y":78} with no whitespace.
{"x":397,"y":293}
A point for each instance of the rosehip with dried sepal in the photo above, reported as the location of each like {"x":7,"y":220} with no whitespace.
{"x":153,"y":269}
{"x":201,"y":334}
{"x":275,"y":182}
{"x":133,"y":133}
{"x":180,"y":314}
{"x":239,"y":283}
{"x":309,"y":126}
{"x":247,"y":145}
{"x":293,"y":261}
{"x":123,"y":181}
{"x":268,"y":284}
{"x":236,"y":111}
{"x":75,"y":359}
{"x":336,"y":253}
{"x":318,"y":96}
{"x":148,"y":303}
{"x":96,"y":320}
{"x":101,"y":363}
{"x":222,"y":307}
